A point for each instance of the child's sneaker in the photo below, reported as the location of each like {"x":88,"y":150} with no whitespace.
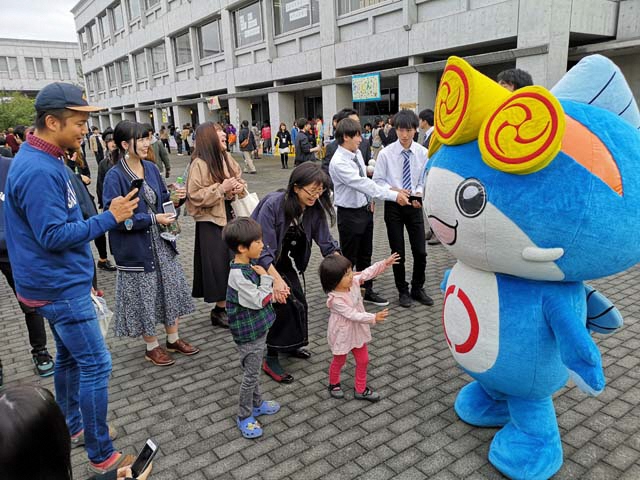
{"x":368,"y":395}
{"x":336,"y":391}
{"x":249,"y":427}
{"x":43,"y":363}
{"x":268,"y":407}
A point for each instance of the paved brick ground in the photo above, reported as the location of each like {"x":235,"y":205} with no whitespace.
{"x":413,"y":433}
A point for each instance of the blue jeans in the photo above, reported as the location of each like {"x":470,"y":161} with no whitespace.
{"x":83,"y":366}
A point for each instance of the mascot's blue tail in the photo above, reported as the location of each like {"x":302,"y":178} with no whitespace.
{"x":602,"y":315}
{"x":598,"y":81}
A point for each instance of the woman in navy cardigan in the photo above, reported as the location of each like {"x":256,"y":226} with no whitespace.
{"x":291,"y":221}
{"x":150,"y":286}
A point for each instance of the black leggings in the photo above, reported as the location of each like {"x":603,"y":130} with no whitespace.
{"x":101,"y":245}
{"x":284,"y":158}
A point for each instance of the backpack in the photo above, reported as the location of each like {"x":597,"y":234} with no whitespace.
{"x":377,"y":141}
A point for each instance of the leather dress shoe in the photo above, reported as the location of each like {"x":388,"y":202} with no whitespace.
{"x":421,"y":296}
{"x":182,"y":347}
{"x":219,"y":319}
{"x":159,"y":356}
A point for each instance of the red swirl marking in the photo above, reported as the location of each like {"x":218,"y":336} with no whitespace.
{"x":474,"y":332}
{"x":550,"y":129}
{"x":443,"y":99}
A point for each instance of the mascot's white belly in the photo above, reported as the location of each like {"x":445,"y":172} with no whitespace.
{"x":471,"y":317}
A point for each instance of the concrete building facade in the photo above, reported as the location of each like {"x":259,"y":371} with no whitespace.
{"x":28,"y":65}
{"x":178,"y":61}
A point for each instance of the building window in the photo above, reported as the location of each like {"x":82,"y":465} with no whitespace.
{"x":134,"y":8}
{"x":100,"y":80}
{"x":64,"y":69}
{"x":103,"y":21}
{"x":293,"y":14}
{"x":83,"y":39}
{"x":182,"y":49}
{"x":35,"y":67}
{"x":248,"y":23}
{"x":150,"y":4}
{"x":111,"y":76}
{"x":158,"y":59}
{"x":60,"y":69}
{"x":89,"y":82}
{"x":348,"y":6}
{"x":123,"y":69}
{"x":141,"y":65}
{"x":9,"y":67}
{"x":209,"y":39}
{"x":78,"y":69}
{"x":93,"y":35}
{"x":116,"y":17}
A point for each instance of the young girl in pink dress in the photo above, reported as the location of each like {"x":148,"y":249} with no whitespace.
{"x":348,"y":329}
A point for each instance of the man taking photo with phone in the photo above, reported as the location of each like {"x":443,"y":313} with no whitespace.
{"x":48,"y":243}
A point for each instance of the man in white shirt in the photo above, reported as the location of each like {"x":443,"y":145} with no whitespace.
{"x":353,"y":195}
{"x":400,"y":167}
{"x":426,"y":124}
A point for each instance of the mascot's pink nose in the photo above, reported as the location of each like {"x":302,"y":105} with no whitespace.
{"x":446,"y":233}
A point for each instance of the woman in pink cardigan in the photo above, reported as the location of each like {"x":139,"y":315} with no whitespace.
{"x":348,"y":329}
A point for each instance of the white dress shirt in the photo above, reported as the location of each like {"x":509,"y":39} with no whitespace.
{"x":388,"y":171}
{"x":350,"y":189}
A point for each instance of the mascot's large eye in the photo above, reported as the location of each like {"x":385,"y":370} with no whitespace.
{"x":471,"y":198}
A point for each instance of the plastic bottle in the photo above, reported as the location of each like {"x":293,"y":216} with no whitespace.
{"x":174,"y":190}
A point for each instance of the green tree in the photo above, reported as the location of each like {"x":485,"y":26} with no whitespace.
{"x":16,"y":109}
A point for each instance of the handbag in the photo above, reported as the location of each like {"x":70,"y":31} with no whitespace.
{"x":103,"y":313}
{"x":244,"y":207}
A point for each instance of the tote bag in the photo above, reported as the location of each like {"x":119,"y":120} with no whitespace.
{"x":244,"y":207}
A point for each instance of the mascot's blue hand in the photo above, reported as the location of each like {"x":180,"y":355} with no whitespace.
{"x":602,"y":315}
{"x":577,"y":350}
{"x":445,"y":279}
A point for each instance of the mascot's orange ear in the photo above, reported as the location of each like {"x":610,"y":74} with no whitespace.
{"x":465,"y":98}
{"x":524,"y":134}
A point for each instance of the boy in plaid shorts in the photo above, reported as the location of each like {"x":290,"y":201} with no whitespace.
{"x":249,"y":294}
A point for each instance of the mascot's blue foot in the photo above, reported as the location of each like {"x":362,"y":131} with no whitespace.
{"x":521,"y":456}
{"x":528,"y":447}
{"x":476,"y":407}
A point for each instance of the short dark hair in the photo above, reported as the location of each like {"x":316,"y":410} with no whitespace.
{"x":345,"y":113}
{"x":61,"y":114}
{"x":405,"y":119}
{"x":94,"y":128}
{"x":516,"y":77}
{"x":331,"y":271}
{"x":35,"y":438}
{"x":241,"y":231}
{"x":426,"y":115}
{"x":245,"y":123}
{"x":302,"y":122}
{"x":347,"y":128}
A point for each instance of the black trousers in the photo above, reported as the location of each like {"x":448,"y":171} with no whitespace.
{"x":101,"y":245}
{"x":355,"y":227}
{"x":35,"y":322}
{"x":398,"y":218}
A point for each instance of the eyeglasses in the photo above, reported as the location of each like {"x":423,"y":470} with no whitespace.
{"x":317,"y":193}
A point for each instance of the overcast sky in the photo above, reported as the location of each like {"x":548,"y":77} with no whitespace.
{"x":39,"y":19}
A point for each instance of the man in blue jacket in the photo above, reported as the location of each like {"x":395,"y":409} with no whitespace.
{"x":35,"y":323}
{"x":48,"y":243}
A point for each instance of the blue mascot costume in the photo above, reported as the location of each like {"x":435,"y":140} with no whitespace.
{"x":533,"y":192}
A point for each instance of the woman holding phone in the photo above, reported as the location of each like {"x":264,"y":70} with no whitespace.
{"x":214,"y":179}
{"x":150,"y":286}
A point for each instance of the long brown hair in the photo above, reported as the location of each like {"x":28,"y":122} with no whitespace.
{"x":209,"y":149}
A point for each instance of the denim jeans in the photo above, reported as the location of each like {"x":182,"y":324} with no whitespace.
{"x":83,"y":366}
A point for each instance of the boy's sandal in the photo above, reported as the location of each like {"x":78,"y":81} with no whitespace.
{"x":249,"y":427}
{"x":268,"y":407}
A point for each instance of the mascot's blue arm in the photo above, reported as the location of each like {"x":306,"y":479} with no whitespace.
{"x":577,"y":350}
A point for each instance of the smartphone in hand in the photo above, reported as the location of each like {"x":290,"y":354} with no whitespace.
{"x":415,"y":198}
{"x":144,"y":458}
{"x":136,"y":183}
{"x":169,"y":207}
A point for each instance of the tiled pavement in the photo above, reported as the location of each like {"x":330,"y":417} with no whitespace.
{"x":413,"y":433}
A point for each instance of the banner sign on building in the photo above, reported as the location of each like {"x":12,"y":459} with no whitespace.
{"x":213,"y":103}
{"x":366,"y":87}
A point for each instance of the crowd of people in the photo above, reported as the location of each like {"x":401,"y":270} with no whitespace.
{"x":248,"y":269}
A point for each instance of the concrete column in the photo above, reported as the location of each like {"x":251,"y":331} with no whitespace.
{"x":157,"y":119}
{"x":329,"y":33}
{"x":114,"y":118}
{"x":103,"y":122}
{"x":409,"y":13}
{"x":545,"y":22}
{"x":335,"y":98}
{"x":195,"y":51}
{"x":206,"y":115}
{"x":282,"y":108}
{"x":149,"y":59}
{"x":171,"y":60}
{"x":268,"y":29}
{"x":239,"y":110}
{"x":181,"y":115}
{"x":228,"y":39}
{"x":629,"y":20}
{"x":418,"y":88}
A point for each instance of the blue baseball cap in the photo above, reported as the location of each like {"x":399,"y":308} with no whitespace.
{"x":58,"y":95}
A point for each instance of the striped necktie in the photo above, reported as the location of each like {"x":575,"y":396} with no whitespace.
{"x":406,"y":170}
